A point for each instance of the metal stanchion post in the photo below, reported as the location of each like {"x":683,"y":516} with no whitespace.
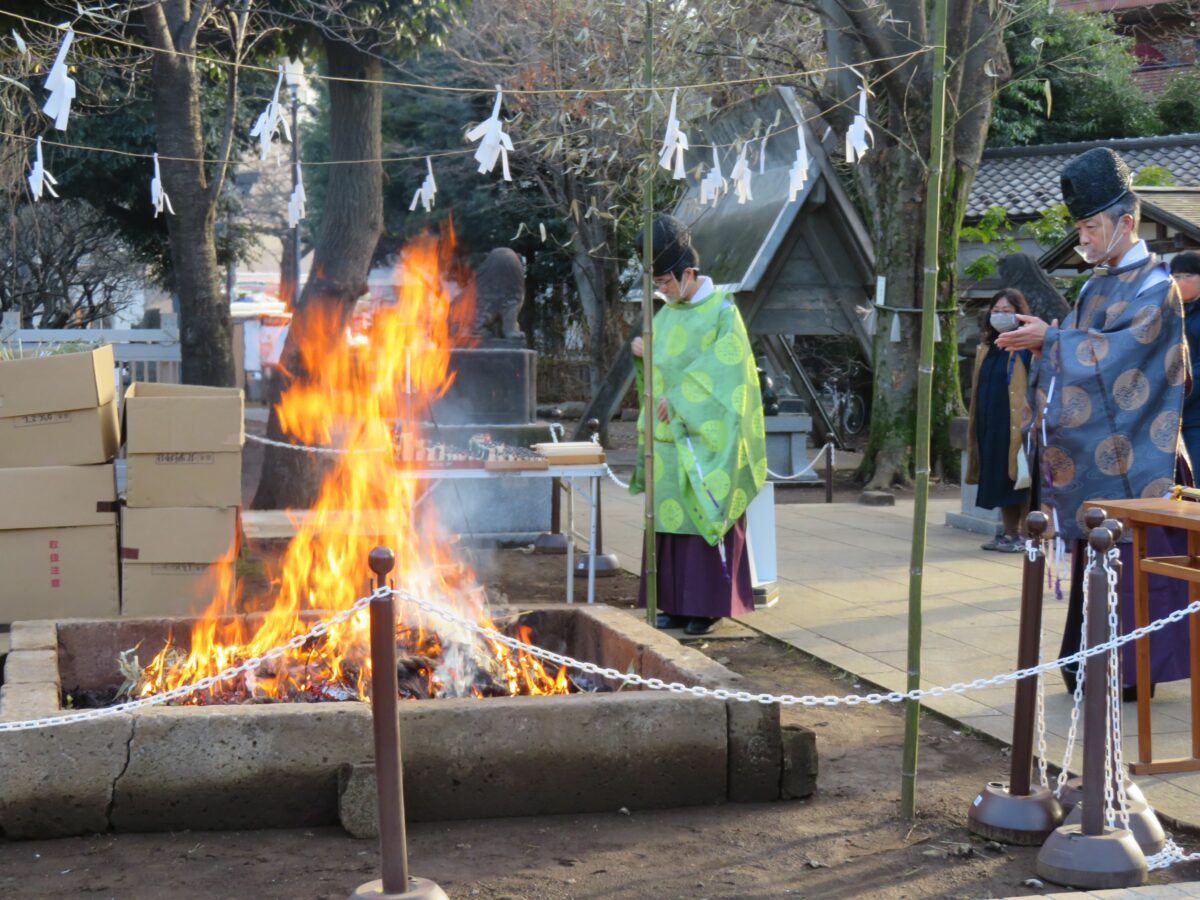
{"x":1143,"y":821}
{"x":606,"y":564}
{"x":553,"y":541}
{"x":396,"y":883}
{"x":1013,"y":812}
{"x":829,"y":471}
{"x":1092,"y":855}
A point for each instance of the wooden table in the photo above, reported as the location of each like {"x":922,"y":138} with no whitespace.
{"x":1137,"y":516}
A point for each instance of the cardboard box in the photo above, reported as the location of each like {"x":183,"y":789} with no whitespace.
{"x":183,"y":445}
{"x":58,"y":543}
{"x":176,"y":561}
{"x":58,"y":410}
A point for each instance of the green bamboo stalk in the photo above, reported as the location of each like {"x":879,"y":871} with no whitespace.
{"x":648,"y":407}
{"x":933,"y":197}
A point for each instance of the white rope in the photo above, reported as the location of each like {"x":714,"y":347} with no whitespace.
{"x":828,"y":448}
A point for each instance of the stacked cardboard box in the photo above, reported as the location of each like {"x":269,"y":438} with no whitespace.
{"x":58,"y":536}
{"x":180,"y":528}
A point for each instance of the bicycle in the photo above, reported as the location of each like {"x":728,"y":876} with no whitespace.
{"x":844,"y":405}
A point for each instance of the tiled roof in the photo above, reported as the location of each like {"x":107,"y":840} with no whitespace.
{"x":1183,"y":202}
{"x":1024,"y":180}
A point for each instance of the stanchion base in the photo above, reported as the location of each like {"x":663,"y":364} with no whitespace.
{"x":1073,"y":792}
{"x":1092,"y":862}
{"x":1024,"y":821}
{"x":607,"y":565}
{"x":550,"y":542}
{"x":1143,"y":823}
{"x":418,"y":889}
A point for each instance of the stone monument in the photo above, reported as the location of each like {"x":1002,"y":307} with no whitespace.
{"x":494,"y":392}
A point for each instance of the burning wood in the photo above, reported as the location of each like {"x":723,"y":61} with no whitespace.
{"x":358,"y":395}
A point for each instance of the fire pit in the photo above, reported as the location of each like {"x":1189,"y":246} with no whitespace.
{"x":303,"y":764}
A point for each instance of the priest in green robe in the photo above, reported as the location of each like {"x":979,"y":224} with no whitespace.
{"x":708,"y":438}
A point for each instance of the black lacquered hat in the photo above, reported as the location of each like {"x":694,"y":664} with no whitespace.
{"x":672,"y":244}
{"x":1094,"y":181}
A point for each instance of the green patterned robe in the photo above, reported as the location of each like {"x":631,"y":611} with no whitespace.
{"x":710,"y":457}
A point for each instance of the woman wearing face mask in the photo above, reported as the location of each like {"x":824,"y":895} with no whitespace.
{"x":994,"y":426}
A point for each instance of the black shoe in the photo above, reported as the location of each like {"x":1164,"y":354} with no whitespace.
{"x":1129,"y":693}
{"x":666,"y":620}
{"x":701,"y":625}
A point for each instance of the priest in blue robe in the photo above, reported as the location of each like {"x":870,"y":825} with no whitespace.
{"x":1106,"y":395}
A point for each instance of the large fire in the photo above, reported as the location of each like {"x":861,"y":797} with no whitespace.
{"x":367,"y":384}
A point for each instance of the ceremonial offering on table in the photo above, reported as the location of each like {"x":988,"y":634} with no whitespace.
{"x":571,"y":453}
{"x":500,"y":457}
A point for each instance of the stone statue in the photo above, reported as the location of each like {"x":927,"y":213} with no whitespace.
{"x":499,"y":293}
{"x":1021,"y":271}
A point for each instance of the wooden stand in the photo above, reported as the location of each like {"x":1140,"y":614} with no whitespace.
{"x":1138,"y":515}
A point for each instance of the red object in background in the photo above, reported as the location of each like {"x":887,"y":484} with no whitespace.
{"x":1148,"y":55}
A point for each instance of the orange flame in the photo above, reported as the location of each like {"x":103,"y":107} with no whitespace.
{"x":360,"y":389}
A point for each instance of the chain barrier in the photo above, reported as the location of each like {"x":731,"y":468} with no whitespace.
{"x":203,"y":684}
{"x":829,"y":448}
{"x":306,"y":449}
{"x":1169,"y":856}
{"x":1077,"y":696}
{"x":1114,"y":760}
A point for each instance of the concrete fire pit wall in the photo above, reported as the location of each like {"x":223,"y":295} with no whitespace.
{"x":289,"y":765}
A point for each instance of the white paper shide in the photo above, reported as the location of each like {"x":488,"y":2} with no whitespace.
{"x":494,"y":142}
{"x":295,"y":210}
{"x":60,"y":85}
{"x":426,"y":191}
{"x":270,"y":120}
{"x":158,"y":195}
{"x":675,"y":143}
{"x":38,"y":177}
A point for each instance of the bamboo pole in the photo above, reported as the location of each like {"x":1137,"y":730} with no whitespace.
{"x":933,"y":200}
{"x":648,"y":405}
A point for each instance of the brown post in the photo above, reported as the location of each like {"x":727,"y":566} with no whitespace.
{"x":1028,"y":641}
{"x":1095,"y":687}
{"x":1019,"y":812}
{"x":829,"y":472}
{"x":385,"y":702}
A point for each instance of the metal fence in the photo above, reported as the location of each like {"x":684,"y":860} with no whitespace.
{"x":147,"y":354}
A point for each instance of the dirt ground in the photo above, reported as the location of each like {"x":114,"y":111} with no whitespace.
{"x":846,"y":841}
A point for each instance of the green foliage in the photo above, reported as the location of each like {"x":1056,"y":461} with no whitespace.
{"x":993,"y":227}
{"x":1154,"y":176}
{"x":1072,"y":80}
{"x":1050,"y":227}
{"x":1178,"y":107}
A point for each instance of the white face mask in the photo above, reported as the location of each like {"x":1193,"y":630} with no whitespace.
{"x":1091,"y":257}
{"x":1003,"y":321}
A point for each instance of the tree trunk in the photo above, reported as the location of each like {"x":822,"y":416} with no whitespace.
{"x":205,"y":328}
{"x":350,"y":230}
{"x":897,"y":185}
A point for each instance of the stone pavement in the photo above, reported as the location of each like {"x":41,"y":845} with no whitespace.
{"x":843,"y":578}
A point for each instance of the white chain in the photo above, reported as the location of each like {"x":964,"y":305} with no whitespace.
{"x":617,"y":481}
{"x":1169,"y":856}
{"x":1039,"y":717}
{"x":828,"y":448}
{"x":203,"y":684}
{"x":1077,"y":698}
{"x":1114,"y":764}
{"x":658,"y":684}
{"x":306,"y":449}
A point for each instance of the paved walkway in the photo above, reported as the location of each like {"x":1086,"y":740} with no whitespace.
{"x":844,"y":598}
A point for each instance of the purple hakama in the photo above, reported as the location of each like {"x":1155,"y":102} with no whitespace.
{"x":1169,"y":648}
{"x":692,"y":581}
